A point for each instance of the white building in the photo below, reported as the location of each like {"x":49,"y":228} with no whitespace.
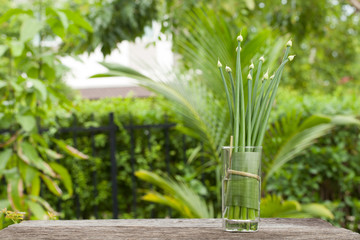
{"x":140,"y":55}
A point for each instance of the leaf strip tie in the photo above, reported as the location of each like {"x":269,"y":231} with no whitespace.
{"x":245,"y":174}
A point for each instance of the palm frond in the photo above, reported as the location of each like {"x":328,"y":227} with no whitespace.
{"x":290,"y":136}
{"x":208,"y":38}
{"x":190,"y":101}
{"x":273,"y":206}
{"x":199,"y":98}
{"x":295,"y":145}
{"x":177,"y":195}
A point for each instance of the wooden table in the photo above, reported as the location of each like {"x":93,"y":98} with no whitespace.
{"x":271,"y":228}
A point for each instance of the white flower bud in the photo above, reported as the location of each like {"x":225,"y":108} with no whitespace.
{"x":249,"y":76}
{"x":240,"y":38}
{"x":227,"y":69}
{"x":272,"y":77}
{"x":266,"y":75}
{"x":219,"y":64}
{"x":251,"y":66}
{"x":289,"y":43}
{"x":262,"y":59}
{"x":291,"y":57}
{"x":237,"y":49}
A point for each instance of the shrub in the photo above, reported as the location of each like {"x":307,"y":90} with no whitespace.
{"x":150,"y":153}
{"x":329,"y":170}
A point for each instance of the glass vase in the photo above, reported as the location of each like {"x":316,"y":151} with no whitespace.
{"x":241,"y":188}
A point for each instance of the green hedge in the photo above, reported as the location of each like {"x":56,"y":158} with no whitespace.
{"x":140,"y":111}
{"x":328,"y":171}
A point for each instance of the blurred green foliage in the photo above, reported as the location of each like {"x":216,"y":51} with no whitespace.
{"x":325,"y":39}
{"x":325,"y":34}
{"x":329,"y":170}
{"x":113,"y":22}
{"x":30,"y":86}
{"x":138,"y":111}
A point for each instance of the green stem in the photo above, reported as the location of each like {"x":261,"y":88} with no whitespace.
{"x":232,"y":87}
{"x":262,"y":110}
{"x":248,"y":114}
{"x":231,"y":212}
{"x":258,"y":138}
{"x":256,"y":114}
{"x":244,"y":212}
{"x":236,"y":212}
{"x":270,"y":103}
{"x":254,"y":93}
{"x":227,"y":96}
{"x":238,"y":104}
{"x":251,"y":213}
{"x":242,"y":108}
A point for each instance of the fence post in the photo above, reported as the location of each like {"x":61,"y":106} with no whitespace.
{"x":112,"y":143}
{"x":132,"y":159}
{"x":77,"y":200}
{"x":94,"y":173}
{"x":148,"y":134}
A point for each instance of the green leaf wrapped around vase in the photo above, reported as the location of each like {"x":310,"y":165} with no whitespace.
{"x":241,"y":191}
{"x":241,"y":187}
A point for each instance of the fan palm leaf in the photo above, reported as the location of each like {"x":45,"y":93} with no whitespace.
{"x":291,"y":137}
{"x":177,"y":195}
{"x":273,"y":206}
{"x":199,"y":98}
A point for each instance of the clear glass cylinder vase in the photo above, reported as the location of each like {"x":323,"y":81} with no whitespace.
{"x":241,"y":188}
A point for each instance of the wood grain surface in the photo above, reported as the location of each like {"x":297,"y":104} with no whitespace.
{"x":270,"y":228}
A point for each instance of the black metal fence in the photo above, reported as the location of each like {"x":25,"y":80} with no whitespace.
{"x":111,"y":129}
